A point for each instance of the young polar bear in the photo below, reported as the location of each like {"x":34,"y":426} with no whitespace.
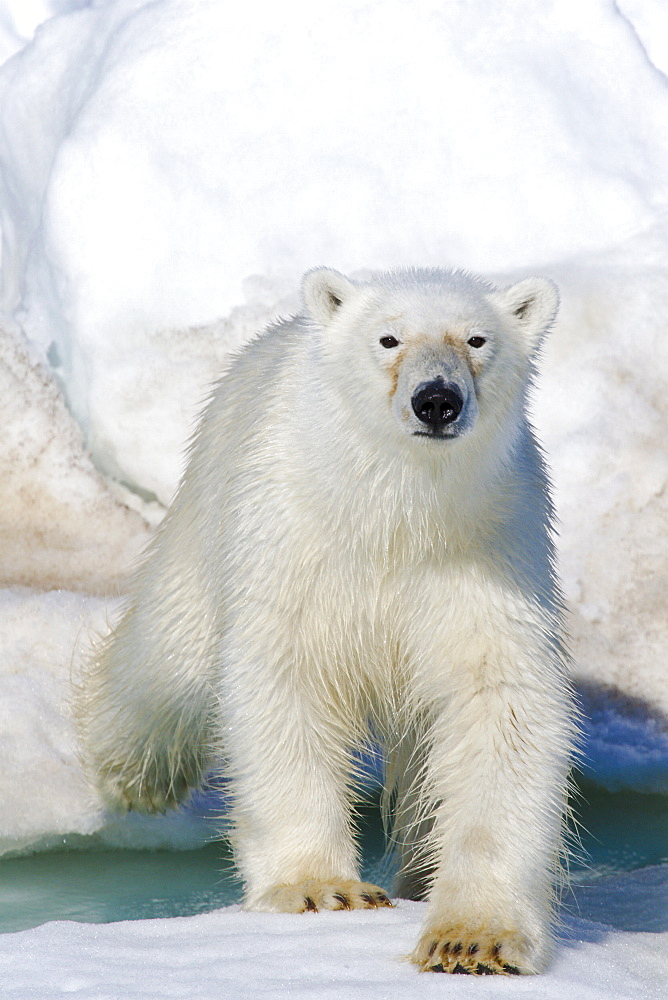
{"x":362,"y":543}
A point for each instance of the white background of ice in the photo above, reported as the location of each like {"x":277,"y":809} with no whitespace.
{"x":167,"y":171}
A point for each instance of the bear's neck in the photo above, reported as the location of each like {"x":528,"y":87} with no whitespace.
{"x":413,"y":500}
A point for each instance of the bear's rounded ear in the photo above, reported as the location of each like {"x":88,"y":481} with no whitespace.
{"x":531,"y":305}
{"x":323,"y":293}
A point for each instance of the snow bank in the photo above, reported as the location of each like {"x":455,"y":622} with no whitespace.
{"x":61,"y":523}
{"x":601,"y":412}
{"x":42,"y":788}
{"x":329,"y":955}
{"x":157,"y":154}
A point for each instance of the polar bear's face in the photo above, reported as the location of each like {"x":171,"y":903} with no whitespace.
{"x":441,"y":352}
{"x":433,"y":372}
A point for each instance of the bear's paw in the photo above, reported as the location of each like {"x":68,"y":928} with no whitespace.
{"x":146,"y":787}
{"x":467,"y":951}
{"x":314,"y":895}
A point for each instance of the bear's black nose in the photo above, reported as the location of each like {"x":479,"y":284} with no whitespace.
{"x":437,"y":404}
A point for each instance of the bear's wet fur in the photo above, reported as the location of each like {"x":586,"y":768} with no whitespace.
{"x":363,"y":538}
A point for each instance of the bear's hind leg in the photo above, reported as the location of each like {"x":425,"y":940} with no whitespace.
{"x":147,"y":726}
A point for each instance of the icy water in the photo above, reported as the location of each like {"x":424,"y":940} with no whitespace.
{"x":622,"y":833}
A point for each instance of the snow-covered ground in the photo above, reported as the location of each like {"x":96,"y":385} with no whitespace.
{"x":167,"y":170}
{"x":324,"y":956}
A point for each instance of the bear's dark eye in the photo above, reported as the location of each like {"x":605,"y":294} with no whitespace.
{"x":389,"y":341}
{"x":476,"y":341}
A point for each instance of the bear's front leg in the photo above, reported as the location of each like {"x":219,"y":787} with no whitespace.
{"x":495,"y":788}
{"x":291,"y":817}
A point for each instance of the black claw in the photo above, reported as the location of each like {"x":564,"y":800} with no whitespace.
{"x":472,"y":949}
{"x":459,"y":970}
{"x":383,"y":899}
{"x":432,"y":949}
{"x":345,"y":902}
{"x":457,"y":948}
{"x":369,"y":899}
{"x":310,"y":905}
{"x":436,"y":968}
{"x":484,"y":970}
{"x":512,"y":970}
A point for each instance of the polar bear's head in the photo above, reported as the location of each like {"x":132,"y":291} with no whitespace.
{"x":442,"y":351}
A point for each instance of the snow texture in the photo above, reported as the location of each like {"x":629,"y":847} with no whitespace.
{"x":44,"y":794}
{"x":62,"y":525}
{"x":332,"y":956}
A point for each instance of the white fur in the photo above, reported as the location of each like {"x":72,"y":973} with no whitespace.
{"x":324,"y":569}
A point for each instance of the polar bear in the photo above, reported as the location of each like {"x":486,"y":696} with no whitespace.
{"x":362,"y":543}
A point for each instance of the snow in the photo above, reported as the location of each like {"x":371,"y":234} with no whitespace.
{"x":44,"y":794}
{"x":167,"y":171}
{"x":328,"y":955}
{"x":60,"y":518}
{"x":148,"y":180}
